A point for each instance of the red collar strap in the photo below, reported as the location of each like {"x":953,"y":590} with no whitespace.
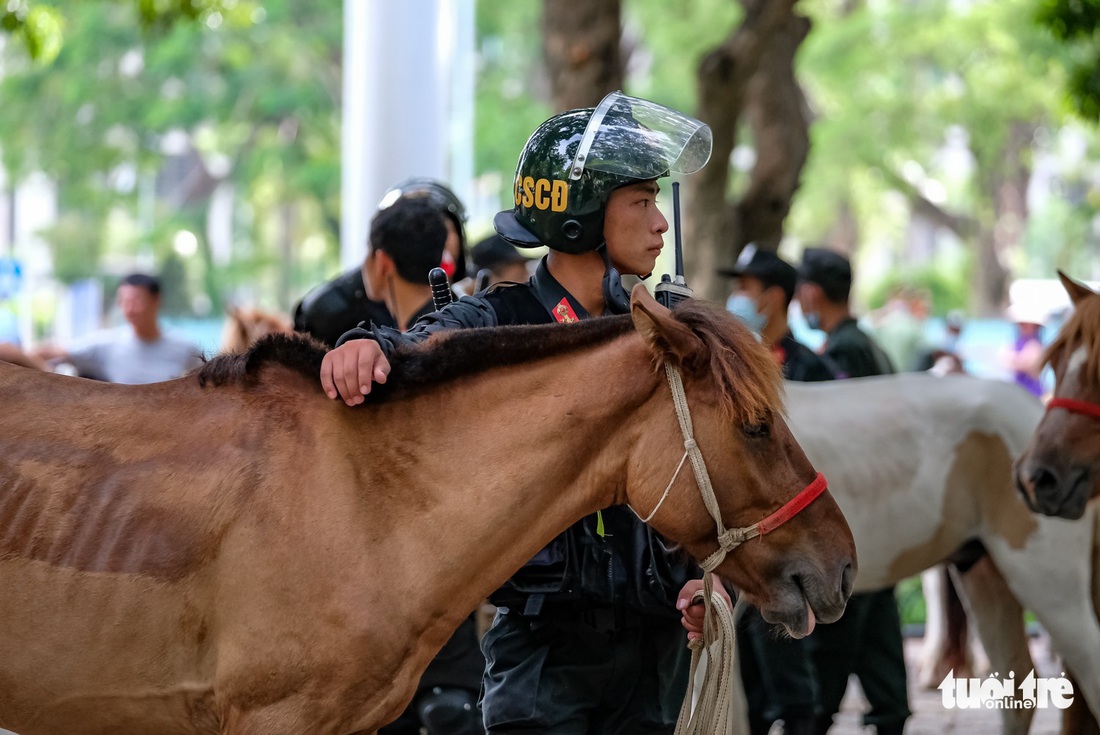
{"x":1081,"y":407}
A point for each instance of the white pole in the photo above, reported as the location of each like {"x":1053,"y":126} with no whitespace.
{"x":398,"y":62}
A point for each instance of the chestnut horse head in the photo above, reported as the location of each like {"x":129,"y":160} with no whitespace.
{"x":246,"y":324}
{"x":1060,"y":470}
{"x":801,"y":568}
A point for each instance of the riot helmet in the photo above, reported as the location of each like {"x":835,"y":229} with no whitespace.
{"x":444,"y":200}
{"x":573,"y":161}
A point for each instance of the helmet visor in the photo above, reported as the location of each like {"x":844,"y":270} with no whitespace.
{"x":639,"y":139}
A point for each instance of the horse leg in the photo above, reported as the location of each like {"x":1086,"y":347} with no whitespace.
{"x":931,"y":671}
{"x":946,"y":640}
{"x":959,"y":654}
{"x":1078,"y":720}
{"x":999,"y":619}
{"x":1052,"y":575}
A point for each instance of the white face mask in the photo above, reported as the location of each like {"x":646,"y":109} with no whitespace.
{"x":744,"y":308}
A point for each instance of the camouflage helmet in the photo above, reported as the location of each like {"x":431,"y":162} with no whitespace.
{"x":573,"y":161}
{"x":444,"y":200}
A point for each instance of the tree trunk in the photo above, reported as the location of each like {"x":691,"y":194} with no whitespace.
{"x":712,"y":228}
{"x":780,"y":121}
{"x":843,"y":237}
{"x":1007,"y":186}
{"x":580,"y":43}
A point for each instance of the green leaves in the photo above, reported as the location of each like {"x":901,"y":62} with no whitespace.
{"x":1076,"y":24}
{"x":37,"y":26}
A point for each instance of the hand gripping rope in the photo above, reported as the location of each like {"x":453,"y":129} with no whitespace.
{"x":708,"y":710}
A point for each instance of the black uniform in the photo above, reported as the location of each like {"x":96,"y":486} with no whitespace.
{"x":777,"y":671}
{"x":587,"y":638}
{"x":855,"y":354}
{"x":802,"y":364}
{"x":333,"y":308}
{"x":866,"y":641}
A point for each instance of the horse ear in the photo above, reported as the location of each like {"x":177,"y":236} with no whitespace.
{"x":1076,"y":291}
{"x":661,"y":331}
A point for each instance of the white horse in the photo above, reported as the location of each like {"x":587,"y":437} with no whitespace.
{"x":920,"y":465}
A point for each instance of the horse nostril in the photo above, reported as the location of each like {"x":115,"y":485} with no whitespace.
{"x":847,"y":580}
{"x":1043,"y":479}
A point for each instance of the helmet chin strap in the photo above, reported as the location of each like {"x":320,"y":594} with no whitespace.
{"x":615,"y":298}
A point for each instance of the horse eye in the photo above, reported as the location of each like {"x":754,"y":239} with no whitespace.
{"x":756,"y":431}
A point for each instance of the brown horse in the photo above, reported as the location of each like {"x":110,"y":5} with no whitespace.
{"x":231,"y":552}
{"x":1060,"y":470}
{"x":246,"y":324}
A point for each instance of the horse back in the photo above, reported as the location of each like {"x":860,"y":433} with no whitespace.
{"x":118,"y":479}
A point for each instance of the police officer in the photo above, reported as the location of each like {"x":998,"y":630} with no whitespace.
{"x":866,"y":641}
{"x":331,"y":309}
{"x":777,"y":671}
{"x":765,"y":288}
{"x":825,"y":284}
{"x":496,"y":259}
{"x":586,"y":639}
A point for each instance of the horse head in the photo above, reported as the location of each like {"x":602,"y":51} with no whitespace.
{"x":1060,"y":470}
{"x":246,"y":324}
{"x":770,"y":525}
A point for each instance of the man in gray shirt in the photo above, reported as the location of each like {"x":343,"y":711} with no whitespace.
{"x":135,"y":354}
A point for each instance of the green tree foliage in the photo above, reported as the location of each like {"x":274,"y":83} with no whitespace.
{"x":36,"y":26}
{"x":890,"y":81}
{"x":1076,"y":23}
{"x":248,"y":92}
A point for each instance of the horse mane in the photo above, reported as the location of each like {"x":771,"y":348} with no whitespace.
{"x":1081,"y":328}
{"x":413,"y":368}
{"x":747,"y":378}
{"x":749,"y":381}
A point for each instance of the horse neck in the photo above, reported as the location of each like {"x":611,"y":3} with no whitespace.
{"x":505,"y":461}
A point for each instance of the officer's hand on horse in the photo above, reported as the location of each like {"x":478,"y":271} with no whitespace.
{"x":350,"y":369}
{"x":693,"y":610}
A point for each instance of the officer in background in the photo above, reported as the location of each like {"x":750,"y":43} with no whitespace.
{"x":825,"y":285}
{"x":866,"y":641}
{"x":496,"y":260}
{"x":765,"y":288}
{"x":777,"y":671}
{"x":588,"y":635}
{"x":333,"y":308}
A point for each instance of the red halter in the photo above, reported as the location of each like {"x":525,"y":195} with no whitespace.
{"x":1082,"y":407}
{"x":806,"y":496}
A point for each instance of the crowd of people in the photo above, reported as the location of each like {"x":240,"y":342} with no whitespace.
{"x":589,"y":636}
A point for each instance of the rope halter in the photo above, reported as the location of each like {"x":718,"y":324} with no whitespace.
{"x":728,"y":538}
{"x":711,"y":712}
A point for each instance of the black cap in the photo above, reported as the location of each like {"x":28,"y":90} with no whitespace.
{"x":495,"y":251}
{"x":765,"y":266}
{"x":828,"y":269}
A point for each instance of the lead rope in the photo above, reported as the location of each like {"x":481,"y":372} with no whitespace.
{"x":707,"y":709}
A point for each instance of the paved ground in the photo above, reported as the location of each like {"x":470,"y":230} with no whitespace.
{"x":931,"y":718}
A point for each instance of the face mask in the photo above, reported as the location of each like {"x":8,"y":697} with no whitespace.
{"x":744,"y":308}
{"x":813,"y":321}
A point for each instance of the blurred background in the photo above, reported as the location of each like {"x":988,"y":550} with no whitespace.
{"x":237,"y":148}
